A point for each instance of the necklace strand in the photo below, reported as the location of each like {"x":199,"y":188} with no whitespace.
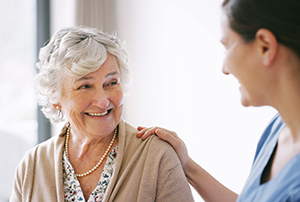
{"x":99,"y":163}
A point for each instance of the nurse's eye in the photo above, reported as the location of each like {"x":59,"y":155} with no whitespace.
{"x":84,"y":87}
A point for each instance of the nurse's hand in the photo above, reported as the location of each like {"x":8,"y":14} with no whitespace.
{"x":169,"y":136}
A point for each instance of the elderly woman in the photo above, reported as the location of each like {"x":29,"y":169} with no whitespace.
{"x":97,"y":157}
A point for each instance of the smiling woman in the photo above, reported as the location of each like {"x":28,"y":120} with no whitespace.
{"x":83,"y":79}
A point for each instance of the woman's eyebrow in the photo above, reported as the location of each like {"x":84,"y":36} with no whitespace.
{"x":112,"y":73}
{"x":84,"y":78}
{"x":91,"y":77}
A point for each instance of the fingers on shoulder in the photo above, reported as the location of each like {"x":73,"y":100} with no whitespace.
{"x":145,"y":132}
{"x":163,"y":133}
{"x":169,"y":136}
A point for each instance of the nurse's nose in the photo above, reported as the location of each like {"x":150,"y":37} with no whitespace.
{"x":224,"y":69}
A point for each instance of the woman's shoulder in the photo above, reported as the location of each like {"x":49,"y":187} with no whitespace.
{"x":43,"y":149}
{"x":153,"y":143}
{"x":49,"y":145}
{"x":131,"y":132}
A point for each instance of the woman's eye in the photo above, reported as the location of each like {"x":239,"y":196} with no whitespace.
{"x":112,"y":83}
{"x":84,"y":87}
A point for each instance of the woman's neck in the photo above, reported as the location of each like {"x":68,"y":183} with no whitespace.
{"x":83,"y":145}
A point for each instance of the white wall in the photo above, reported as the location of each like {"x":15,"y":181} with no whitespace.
{"x":62,"y":14}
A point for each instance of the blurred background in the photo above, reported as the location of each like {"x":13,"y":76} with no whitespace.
{"x":176,"y":60}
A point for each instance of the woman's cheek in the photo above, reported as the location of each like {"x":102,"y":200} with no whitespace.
{"x":71,"y":102}
{"x":120,"y":98}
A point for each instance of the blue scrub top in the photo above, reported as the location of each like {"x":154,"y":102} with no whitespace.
{"x":285,"y":186}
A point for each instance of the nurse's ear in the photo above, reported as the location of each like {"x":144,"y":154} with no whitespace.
{"x":267,"y":46}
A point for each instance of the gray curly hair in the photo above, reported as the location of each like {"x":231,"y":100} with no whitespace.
{"x":74,"y":52}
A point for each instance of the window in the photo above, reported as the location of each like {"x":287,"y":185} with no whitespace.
{"x":18,"y":125}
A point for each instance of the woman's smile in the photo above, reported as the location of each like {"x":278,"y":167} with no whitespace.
{"x":98,"y":114}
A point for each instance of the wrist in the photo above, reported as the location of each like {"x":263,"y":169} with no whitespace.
{"x":190,"y":167}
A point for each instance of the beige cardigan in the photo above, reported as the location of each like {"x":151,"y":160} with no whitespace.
{"x":145,"y":171}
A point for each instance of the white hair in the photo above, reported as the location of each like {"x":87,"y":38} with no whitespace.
{"x":75,"y":52}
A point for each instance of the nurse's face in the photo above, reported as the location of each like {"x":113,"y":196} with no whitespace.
{"x":240,"y":61}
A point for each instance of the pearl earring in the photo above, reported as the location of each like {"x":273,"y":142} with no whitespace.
{"x":57,"y":107}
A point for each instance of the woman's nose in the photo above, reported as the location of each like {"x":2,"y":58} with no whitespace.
{"x":101,"y":99}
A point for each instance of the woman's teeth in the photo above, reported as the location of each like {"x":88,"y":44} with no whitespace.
{"x":98,"y":114}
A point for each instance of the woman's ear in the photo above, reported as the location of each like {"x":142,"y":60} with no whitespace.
{"x":267,"y":44}
{"x":57,"y":106}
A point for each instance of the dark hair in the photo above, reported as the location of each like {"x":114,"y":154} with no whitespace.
{"x":281,"y":17}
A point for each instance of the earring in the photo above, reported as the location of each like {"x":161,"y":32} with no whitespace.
{"x":57,"y":107}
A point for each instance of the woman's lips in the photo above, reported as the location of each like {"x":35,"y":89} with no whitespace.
{"x":98,"y":114}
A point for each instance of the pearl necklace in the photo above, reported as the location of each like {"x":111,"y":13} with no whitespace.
{"x":99,"y":163}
